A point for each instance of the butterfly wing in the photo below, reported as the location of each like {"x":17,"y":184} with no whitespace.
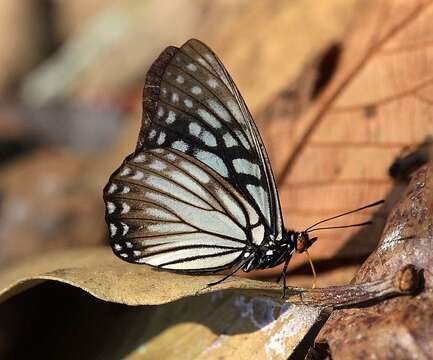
{"x":198,"y":190}
{"x":191,"y":104}
{"x":167,"y":210}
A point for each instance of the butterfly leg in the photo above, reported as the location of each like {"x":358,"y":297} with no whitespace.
{"x":225,"y":277}
{"x":283,"y":275}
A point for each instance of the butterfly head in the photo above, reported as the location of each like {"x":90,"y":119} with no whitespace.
{"x":303,"y":241}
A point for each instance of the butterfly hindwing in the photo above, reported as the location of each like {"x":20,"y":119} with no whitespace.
{"x":191,"y":104}
{"x":165,"y":209}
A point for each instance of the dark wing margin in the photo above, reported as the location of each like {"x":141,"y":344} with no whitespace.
{"x":151,"y":91}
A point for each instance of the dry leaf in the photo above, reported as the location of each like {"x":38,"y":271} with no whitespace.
{"x":291,"y":33}
{"x":205,"y":327}
{"x":337,"y":155}
{"x":399,"y":328}
{"x":225,"y":323}
{"x":240,"y":322}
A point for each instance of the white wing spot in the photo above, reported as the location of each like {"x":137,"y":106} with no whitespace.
{"x":112,"y":188}
{"x":260,"y":195}
{"x":138,"y":175}
{"x":209,"y":118}
{"x":157,"y":165}
{"x":160,"y":111}
{"x":170,"y":157}
{"x":191,"y":67}
{"x":180,"y":145}
{"x":269,"y":252}
{"x":128,"y":245}
{"x":212,"y":83}
{"x":188,"y":103}
{"x":139,"y":158}
{"x":161,"y":138}
{"x":125,"y":208}
{"x":243,"y":166}
{"x":123,"y":255}
{"x":117,"y":247}
{"x":180,"y":79}
{"x":110,"y":207}
{"x":125,"y":172}
{"x":125,"y":228}
{"x":219,"y":110}
{"x":137,"y":252}
{"x":174,"y":98}
{"x":152,"y":134}
{"x":229,"y":140}
{"x":234,"y":109}
{"x":213,"y":161}
{"x":205,"y":136}
{"x":243,"y":140}
{"x":195,"y":129}
{"x":203,"y":62}
{"x":171,"y":117}
{"x":247,"y":254}
{"x":126,"y":189}
{"x":196,"y":90}
{"x":208,"y":138}
{"x":258,"y":233}
{"x":113,"y":230}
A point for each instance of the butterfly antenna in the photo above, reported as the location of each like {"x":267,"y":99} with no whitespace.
{"x":345,"y":213}
{"x":341,"y":226}
{"x":313,"y":286}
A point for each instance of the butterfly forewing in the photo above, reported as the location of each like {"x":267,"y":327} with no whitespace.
{"x":199,"y":188}
{"x":191,"y":104}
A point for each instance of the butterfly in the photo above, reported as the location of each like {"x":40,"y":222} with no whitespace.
{"x":198,"y":195}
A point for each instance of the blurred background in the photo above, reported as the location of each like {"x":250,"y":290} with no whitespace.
{"x":343,"y":88}
{"x":71,"y":77}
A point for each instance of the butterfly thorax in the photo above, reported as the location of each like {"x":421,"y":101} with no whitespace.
{"x":272,"y":252}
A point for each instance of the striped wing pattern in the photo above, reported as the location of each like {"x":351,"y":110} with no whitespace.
{"x":164,"y":209}
{"x":191,"y":104}
{"x":198,"y":191}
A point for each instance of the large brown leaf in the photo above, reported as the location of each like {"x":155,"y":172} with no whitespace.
{"x":224,"y":323}
{"x":59,"y":290}
{"x":336,"y":156}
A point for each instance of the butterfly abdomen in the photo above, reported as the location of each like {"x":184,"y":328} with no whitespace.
{"x":271,"y":253}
